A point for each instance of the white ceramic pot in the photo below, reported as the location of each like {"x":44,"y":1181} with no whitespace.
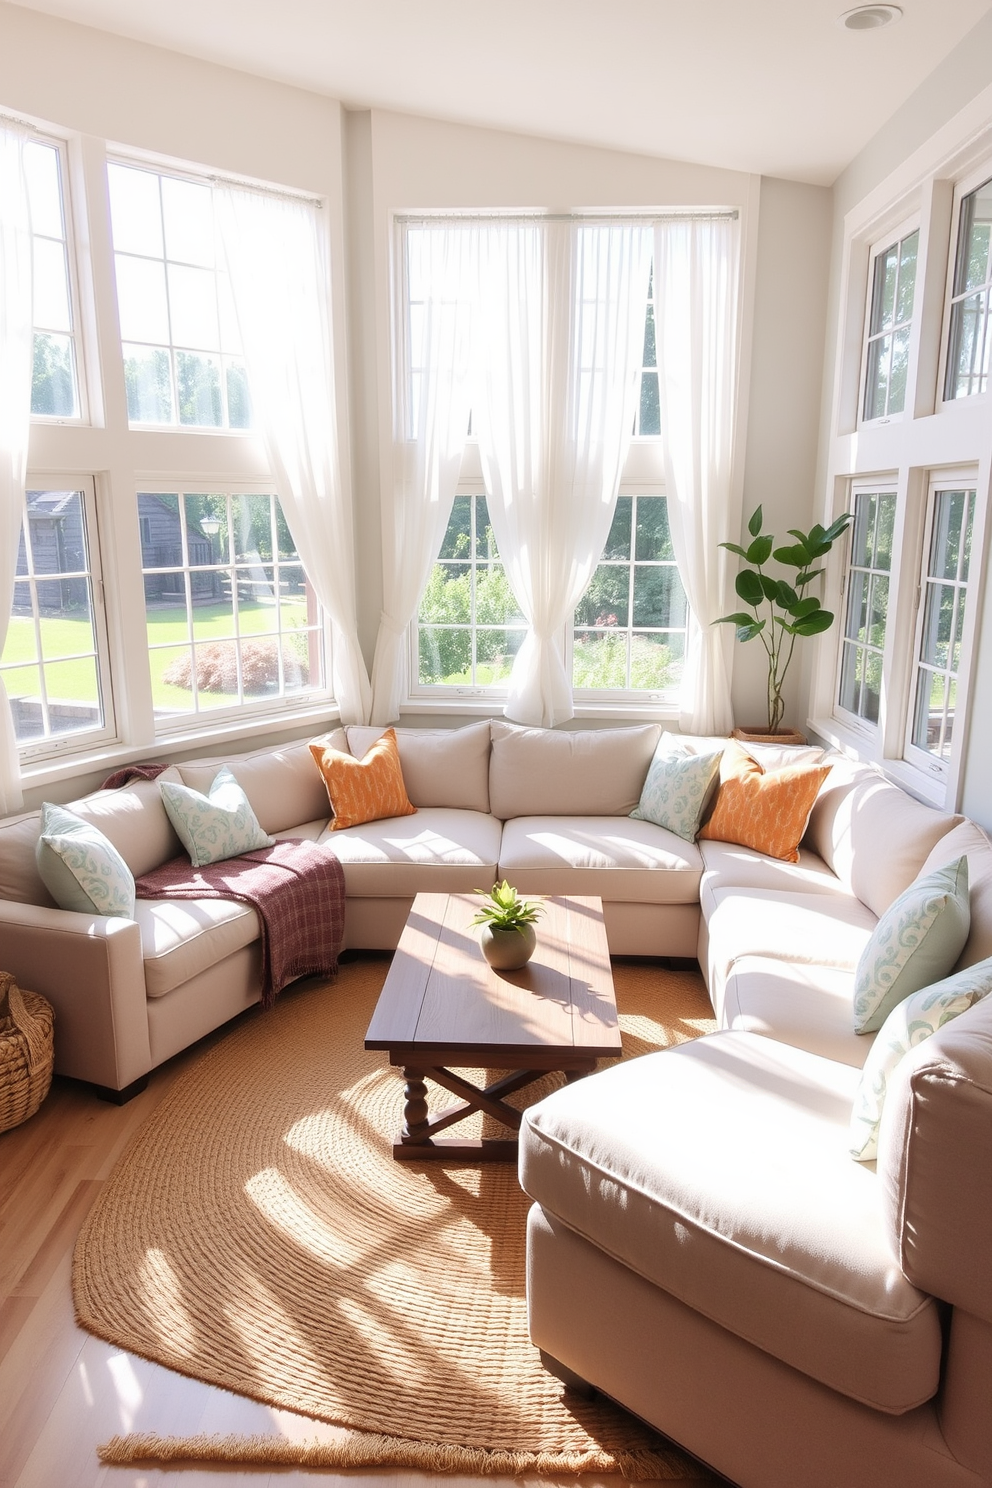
{"x":507,"y":950}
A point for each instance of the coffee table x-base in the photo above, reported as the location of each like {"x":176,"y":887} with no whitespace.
{"x":443,"y":1008}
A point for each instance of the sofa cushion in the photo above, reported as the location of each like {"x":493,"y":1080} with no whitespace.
{"x":363,"y":790}
{"x":135,"y":820}
{"x":872,"y":834}
{"x":969,"y":838}
{"x":438,"y":851}
{"x":441,"y":767}
{"x":282,"y":784}
{"x":916,"y":1018}
{"x":182,"y":937}
{"x":621,"y":859}
{"x":677,"y":788}
{"x":916,"y":942}
{"x":764,"y":809}
{"x":215,"y":825}
{"x":807,"y":928}
{"x":751,"y":1212}
{"x":550,"y":772}
{"x":727,"y":865}
{"x":81,"y":869}
{"x":806,"y":1006}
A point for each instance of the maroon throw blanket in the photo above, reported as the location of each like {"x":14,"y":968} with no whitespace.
{"x":297,"y":889}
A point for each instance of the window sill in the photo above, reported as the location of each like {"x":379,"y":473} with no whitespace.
{"x":238,"y":735}
{"x":863,"y":749}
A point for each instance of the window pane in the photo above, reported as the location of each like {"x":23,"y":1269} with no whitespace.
{"x":967,"y":357}
{"x":942,"y":623}
{"x":41,"y":168}
{"x":189,"y":221}
{"x":656,"y":661}
{"x":50,"y":665}
{"x":972,"y":267}
{"x":607,"y":600}
{"x":53,"y":377}
{"x":51,"y":286}
{"x":877,"y":386}
{"x":883,"y":307}
{"x":653,"y":539}
{"x":193,"y":308}
{"x":618,"y":541}
{"x":650,"y":410}
{"x":898,"y":368}
{"x":893,"y":292}
{"x":142,"y":300}
{"x":659,"y":599}
{"x":198,"y":390}
{"x":135,"y":210}
{"x":600,"y":660}
{"x":239,"y":415}
{"x":148,"y":380}
{"x":857,"y":607}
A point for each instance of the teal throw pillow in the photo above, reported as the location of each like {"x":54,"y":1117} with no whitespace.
{"x":216,"y":826}
{"x":909,"y":1023}
{"x":80,"y":868}
{"x":677,"y":787}
{"x":916,"y":942}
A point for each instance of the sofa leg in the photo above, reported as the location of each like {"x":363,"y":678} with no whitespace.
{"x":121,"y":1097}
{"x":568,"y":1377}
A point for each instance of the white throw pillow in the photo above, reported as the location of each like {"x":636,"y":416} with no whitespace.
{"x":80,"y":868}
{"x":909,"y":1023}
{"x":915,"y":943}
{"x":677,"y":787}
{"x":217,"y":826}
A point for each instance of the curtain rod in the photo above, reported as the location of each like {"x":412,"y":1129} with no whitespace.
{"x":281,"y":193}
{"x":635,"y":215}
{"x":21,"y":123}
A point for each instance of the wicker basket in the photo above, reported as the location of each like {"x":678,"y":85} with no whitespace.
{"x":26,"y":1051}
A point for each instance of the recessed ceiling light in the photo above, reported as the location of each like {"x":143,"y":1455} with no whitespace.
{"x":870,"y":17}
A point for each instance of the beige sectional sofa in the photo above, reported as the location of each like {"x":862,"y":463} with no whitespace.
{"x":548,"y":810}
{"x":702,"y":1246}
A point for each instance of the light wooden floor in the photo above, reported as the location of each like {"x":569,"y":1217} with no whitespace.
{"x":63,"y":1392}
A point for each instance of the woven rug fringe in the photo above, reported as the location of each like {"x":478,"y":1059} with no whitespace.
{"x":361,"y":1450}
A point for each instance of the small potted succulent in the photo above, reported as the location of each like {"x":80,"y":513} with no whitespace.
{"x":508,"y":939}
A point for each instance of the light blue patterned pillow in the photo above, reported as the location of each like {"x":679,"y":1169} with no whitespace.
{"x":908,"y":1024}
{"x":916,"y":942}
{"x":219,"y":825}
{"x":677,"y":787}
{"x":80,"y":868}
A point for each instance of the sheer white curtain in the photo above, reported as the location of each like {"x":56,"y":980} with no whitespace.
{"x":562,"y":309}
{"x":695,"y":275}
{"x":277,"y":258}
{"x":16,"y":355}
{"x":437,"y":292}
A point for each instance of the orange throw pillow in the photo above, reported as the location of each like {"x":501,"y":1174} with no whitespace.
{"x":367,"y":789}
{"x":766,"y":810}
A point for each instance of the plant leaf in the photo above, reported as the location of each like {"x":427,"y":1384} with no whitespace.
{"x":804,"y":607}
{"x":769,"y":587}
{"x":754,"y":524}
{"x":835,"y":529}
{"x":750,"y":630}
{"x":748,"y":586}
{"x":734,"y":548}
{"x":793,"y":556}
{"x":785,"y":595}
{"x":808,"y":576}
{"x":814,"y":624}
{"x":738,"y":618}
{"x":759,"y":551}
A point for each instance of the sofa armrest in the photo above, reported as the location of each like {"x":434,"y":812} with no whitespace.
{"x":90,"y":969}
{"x":935,"y":1162}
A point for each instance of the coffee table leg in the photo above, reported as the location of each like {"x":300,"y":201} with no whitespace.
{"x":416,"y":1127}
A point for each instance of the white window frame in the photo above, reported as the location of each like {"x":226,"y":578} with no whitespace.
{"x":168,"y":725}
{"x":76,"y":302}
{"x":890,"y":239}
{"x":855,"y":721}
{"x":59,"y":745}
{"x":963,"y":188}
{"x":944,"y":771}
{"x":592,"y":699}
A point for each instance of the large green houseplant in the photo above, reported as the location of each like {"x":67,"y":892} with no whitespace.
{"x":783,"y":610}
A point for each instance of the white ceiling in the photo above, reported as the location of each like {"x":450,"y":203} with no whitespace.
{"x":773,"y":86}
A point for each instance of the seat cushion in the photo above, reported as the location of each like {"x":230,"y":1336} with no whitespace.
{"x":719,"y":1171}
{"x":440,"y":850}
{"x":807,"y":1006}
{"x":815,"y":929}
{"x":621,"y":859}
{"x":727,"y":865}
{"x":182,"y":937}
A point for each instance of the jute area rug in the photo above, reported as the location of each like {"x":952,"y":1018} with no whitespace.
{"x":258,"y":1235}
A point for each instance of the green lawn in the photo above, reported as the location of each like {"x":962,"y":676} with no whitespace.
{"x":73,"y":678}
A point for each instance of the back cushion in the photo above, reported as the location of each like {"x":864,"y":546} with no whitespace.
{"x":19,"y":877}
{"x":135,"y":821}
{"x":441,"y":767}
{"x":873,"y":835}
{"x":970,"y":839}
{"x":284,"y":787}
{"x":588,"y":772}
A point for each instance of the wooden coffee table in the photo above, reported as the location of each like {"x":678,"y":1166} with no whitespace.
{"x":442,"y":1005}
